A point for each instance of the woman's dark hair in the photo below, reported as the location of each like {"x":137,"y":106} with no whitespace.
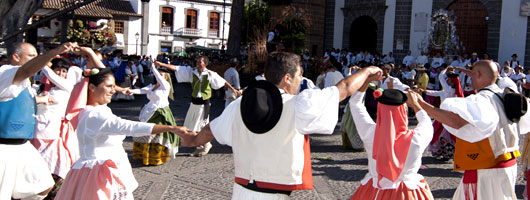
{"x":98,"y":78}
{"x":60,"y":63}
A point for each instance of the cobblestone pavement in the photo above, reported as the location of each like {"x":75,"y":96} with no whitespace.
{"x":336,"y":172}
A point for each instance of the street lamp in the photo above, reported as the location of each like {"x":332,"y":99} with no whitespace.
{"x":137,"y":36}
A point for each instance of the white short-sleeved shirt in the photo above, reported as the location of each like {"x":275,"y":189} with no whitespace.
{"x":184,"y":74}
{"x":8,"y":90}
{"x":316,"y":112}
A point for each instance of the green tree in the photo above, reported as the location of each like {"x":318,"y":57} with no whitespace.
{"x":257,"y":16}
{"x":294,"y":22}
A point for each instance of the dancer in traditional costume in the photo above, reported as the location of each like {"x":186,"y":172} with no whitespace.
{"x":23,"y":172}
{"x":269,"y":127}
{"x":394,"y":151}
{"x":487,"y":142}
{"x":157,"y":149}
{"x":103,"y":171}
{"x":442,"y":146}
{"x":59,"y":148}
{"x":202,"y":82}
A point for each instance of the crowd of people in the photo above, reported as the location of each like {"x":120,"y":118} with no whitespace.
{"x":60,"y":140}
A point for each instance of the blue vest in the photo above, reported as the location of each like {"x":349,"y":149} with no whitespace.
{"x":17,"y":119}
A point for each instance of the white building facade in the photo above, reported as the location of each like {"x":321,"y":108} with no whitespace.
{"x":149,"y":27}
{"x":172,"y":25}
{"x":497,"y":27}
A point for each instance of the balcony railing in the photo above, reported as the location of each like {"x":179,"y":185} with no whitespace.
{"x":166,"y":30}
{"x":188,"y":32}
{"x":213,"y":33}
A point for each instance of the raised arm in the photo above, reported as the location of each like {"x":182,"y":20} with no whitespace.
{"x":445,"y":117}
{"x":34,"y":65}
{"x":60,"y":82}
{"x":350,"y":85}
{"x":93,"y":60}
{"x":168,"y":66}
{"x":164,"y":84}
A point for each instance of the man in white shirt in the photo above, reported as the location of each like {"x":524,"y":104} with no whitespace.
{"x":203,"y":81}
{"x":389,"y":82}
{"x":332,"y":76}
{"x":232,"y":76}
{"x":389,"y":58}
{"x":409,"y":59}
{"x":456,"y":62}
{"x":487,"y":141}
{"x":270,"y":141}
{"x":359,"y":57}
{"x":437,"y":61}
{"x":422,"y":59}
{"x":514,"y":62}
{"x":474,"y":58}
{"x":519,"y":78}
{"x":24,"y":174}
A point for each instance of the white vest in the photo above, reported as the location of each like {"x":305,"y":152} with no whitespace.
{"x":276,"y":156}
{"x":505,"y":139}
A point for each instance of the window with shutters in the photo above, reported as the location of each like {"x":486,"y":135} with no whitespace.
{"x":191,"y":19}
{"x":214,"y":25}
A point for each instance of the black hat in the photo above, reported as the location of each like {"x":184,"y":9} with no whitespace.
{"x":514,"y":55}
{"x":392,"y":97}
{"x":261,"y":106}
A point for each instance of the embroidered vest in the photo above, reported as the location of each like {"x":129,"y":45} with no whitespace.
{"x":502,"y":145}
{"x":17,"y":120}
{"x":202,"y":86}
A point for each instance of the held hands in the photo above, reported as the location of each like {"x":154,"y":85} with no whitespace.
{"x":374,"y":73}
{"x":413,"y":100}
{"x":186,"y":136}
{"x":66,"y":47}
{"x":82,"y":50}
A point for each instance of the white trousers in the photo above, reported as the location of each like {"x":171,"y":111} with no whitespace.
{"x":241,"y":193}
{"x":492,"y":184}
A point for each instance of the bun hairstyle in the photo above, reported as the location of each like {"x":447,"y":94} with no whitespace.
{"x":97,"y":75}
{"x":60,"y":63}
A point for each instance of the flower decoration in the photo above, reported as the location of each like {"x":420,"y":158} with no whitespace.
{"x":378,"y":92}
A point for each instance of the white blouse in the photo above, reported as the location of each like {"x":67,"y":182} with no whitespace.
{"x":49,"y":116}
{"x":8,"y":90}
{"x":157,"y":97}
{"x":421,"y":139}
{"x":101,"y":135}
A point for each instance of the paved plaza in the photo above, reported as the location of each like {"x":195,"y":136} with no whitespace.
{"x":336,"y":172}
